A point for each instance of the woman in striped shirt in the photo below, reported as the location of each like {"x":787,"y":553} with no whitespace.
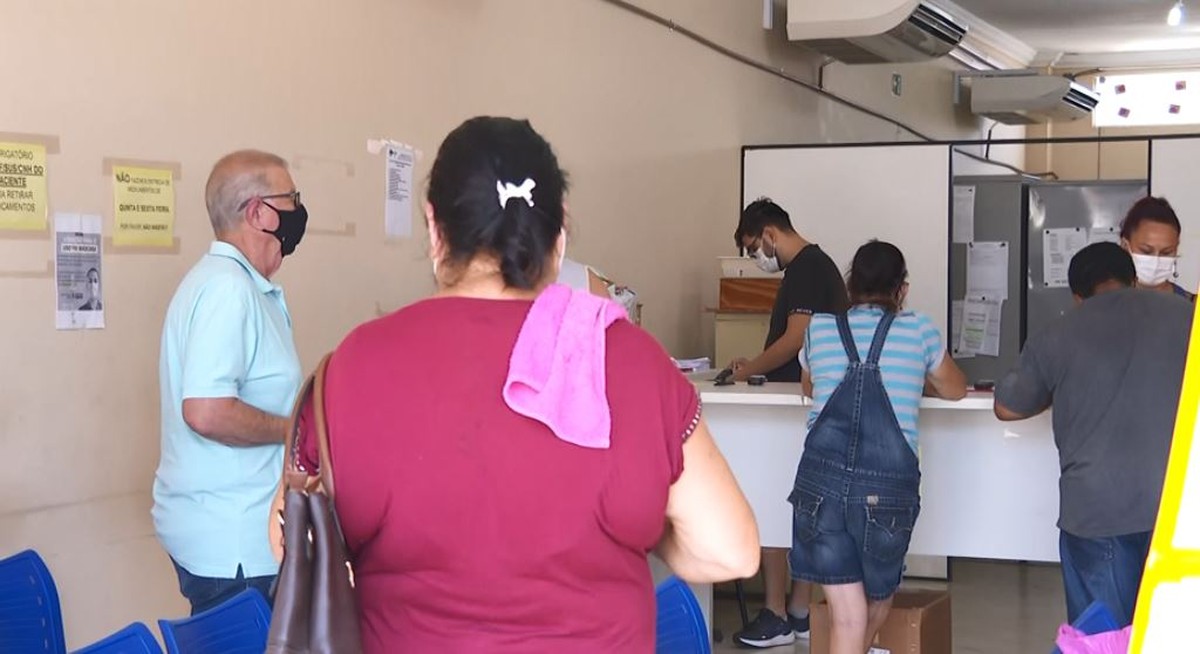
{"x":856,"y":494}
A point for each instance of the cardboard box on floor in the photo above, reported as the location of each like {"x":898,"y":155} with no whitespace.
{"x":919,"y":623}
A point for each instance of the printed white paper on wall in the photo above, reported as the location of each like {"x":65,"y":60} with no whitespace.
{"x":964,"y":214}
{"x":956,"y":326}
{"x":981,"y":327}
{"x":398,"y":212}
{"x":1058,"y":247}
{"x":79,"y":298}
{"x":1104,"y":235}
{"x":987,"y":270}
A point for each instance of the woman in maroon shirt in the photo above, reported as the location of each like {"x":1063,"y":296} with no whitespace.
{"x":477,"y":524}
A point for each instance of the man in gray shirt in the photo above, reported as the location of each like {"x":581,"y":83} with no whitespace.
{"x":1113,"y":368}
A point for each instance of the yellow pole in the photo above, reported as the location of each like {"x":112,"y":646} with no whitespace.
{"x":1168,"y":566}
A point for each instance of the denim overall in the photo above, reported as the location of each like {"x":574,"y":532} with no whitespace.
{"x":856,"y":494}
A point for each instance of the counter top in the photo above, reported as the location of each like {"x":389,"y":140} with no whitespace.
{"x":785,"y":394}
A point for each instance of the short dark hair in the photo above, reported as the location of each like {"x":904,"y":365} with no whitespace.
{"x":876,"y":275}
{"x":757,"y":216}
{"x":1150,"y":208}
{"x":1099,"y":263}
{"x":474,"y":158}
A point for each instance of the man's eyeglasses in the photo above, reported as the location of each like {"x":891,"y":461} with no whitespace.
{"x":294,"y":195}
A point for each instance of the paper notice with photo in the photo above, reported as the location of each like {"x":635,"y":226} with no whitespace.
{"x":964,"y":214}
{"x":987,"y":270}
{"x":981,"y":327}
{"x":1058,"y":247}
{"x":78,"y":275}
{"x":398,"y":217}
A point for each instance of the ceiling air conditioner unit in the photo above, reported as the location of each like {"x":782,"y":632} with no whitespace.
{"x":874,"y":31}
{"x":1026,"y":98}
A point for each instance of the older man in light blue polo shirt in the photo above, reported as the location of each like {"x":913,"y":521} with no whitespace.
{"x":228,"y":375}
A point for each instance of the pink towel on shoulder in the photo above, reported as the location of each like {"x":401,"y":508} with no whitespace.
{"x":556,"y":374}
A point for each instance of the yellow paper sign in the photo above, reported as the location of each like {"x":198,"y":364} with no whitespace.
{"x":145,"y":206}
{"x":22,"y":186}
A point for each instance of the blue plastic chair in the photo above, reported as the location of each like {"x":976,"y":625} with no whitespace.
{"x":134,"y":639}
{"x":681,"y":628}
{"x":30,"y":616}
{"x":239,"y":626}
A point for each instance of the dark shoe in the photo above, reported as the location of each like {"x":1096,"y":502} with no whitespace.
{"x":767,"y":630}
{"x":799,"y":625}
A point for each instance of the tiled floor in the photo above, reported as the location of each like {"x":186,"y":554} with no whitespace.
{"x":997,"y":608}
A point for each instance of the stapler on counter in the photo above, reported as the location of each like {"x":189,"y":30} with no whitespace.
{"x":723,"y":378}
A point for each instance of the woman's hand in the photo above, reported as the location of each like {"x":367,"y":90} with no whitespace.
{"x":275,"y":515}
{"x":275,"y":525}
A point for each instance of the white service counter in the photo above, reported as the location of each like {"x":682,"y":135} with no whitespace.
{"x":988,"y":489}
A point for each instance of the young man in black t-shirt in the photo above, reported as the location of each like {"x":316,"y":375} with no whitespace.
{"x":811,"y":284}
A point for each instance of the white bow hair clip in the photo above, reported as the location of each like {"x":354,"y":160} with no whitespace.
{"x":508,"y":191}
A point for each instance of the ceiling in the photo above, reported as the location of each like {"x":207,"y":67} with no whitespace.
{"x":1111,"y":33}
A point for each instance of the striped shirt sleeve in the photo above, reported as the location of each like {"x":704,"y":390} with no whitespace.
{"x":931,"y":339}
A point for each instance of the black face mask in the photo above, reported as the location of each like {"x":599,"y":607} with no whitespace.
{"x":292,"y":223}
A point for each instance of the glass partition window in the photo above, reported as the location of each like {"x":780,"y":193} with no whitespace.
{"x":1148,"y":99}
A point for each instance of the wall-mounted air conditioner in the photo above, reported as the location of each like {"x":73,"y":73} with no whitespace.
{"x":1027,"y":97}
{"x":874,"y":31}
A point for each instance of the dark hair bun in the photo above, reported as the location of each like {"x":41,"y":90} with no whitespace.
{"x":497,"y":190}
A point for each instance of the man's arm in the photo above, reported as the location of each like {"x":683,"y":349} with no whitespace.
{"x":1024,"y":392}
{"x":787,"y":348}
{"x":1008,"y":415}
{"x":232,"y":422}
{"x":215,"y":361}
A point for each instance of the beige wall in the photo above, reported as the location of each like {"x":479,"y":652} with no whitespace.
{"x":925,"y":103}
{"x":648,"y":124}
{"x":1093,"y":161}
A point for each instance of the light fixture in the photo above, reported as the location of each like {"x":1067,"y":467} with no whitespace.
{"x":1175,"y":16}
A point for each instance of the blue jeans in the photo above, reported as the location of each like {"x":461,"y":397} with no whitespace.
{"x":857,"y":491}
{"x":1104,"y":569}
{"x":205,"y":593}
{"x":843,"y":533}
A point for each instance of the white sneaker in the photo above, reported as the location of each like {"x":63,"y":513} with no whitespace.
{"x":879,"y":650}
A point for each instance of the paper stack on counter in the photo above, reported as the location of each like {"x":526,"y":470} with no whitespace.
{"x":703,"y":364}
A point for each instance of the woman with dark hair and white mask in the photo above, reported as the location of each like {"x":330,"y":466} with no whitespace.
{"x":1150,"y":233}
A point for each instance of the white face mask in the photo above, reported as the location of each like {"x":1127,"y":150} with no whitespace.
{"x":769,"y":265}
{"x":1152,"y":270}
